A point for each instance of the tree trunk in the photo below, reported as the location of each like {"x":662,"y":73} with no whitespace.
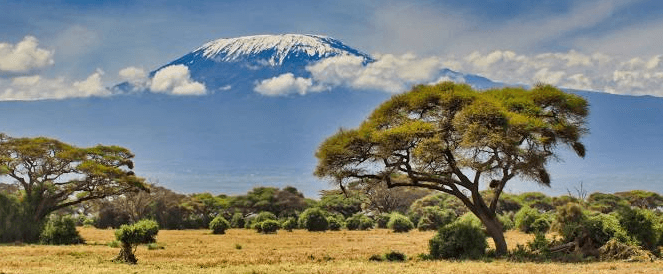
{"x":126,"y":255}
{"x":494,"y":229}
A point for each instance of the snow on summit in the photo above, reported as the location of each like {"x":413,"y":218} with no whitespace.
{"x":277,"y":47}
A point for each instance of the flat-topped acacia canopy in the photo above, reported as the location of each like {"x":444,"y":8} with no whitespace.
{"x":451,"y":138}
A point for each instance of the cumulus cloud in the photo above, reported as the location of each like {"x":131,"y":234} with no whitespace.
{"x":36,"y":87}
{"x":137,"y":77}
{"x":24,"y":57}
{"x":572,"y":69}
{"x":285,"y":84}
{"x":389,"y":72}
{"x":176,"y":80}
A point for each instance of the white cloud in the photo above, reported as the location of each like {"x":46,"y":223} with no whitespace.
{"x":24,"y":57}
{"x":389,"y":72}
{"x":36,"y":87}
{"x":285,"y":84}
{"x":176,"y":80}
{"x":573,"y":69}
{"x":137,"y":77}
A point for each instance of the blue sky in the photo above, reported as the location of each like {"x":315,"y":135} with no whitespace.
{"x":607,"y":45}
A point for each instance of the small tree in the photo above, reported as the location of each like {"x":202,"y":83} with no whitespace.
{"x":54,"y":175}
{"x":452,"y":139}
{"x":142,"y":232}
{"x":219,"y":225}
{"x":313,"y":219}
{"x":399,"y":223}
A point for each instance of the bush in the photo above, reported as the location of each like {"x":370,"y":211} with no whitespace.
{"x":313,"y":219}
{"x":506,"y":220}
{"x":219,"y":225}
{"x":434,"y":217}
{"x":252,"y":221}
{"x":525,"y":217}
{"x":335,"y":223}
{"x":60,"y":231}
{"x":642,"y":225}
{"x":268,"y":226}
{"x":382,"y":220}
{"x":237,"y":221}
{"x":142,"y":232}
{"x":395,"y":256}
{"x":359,"y":222}
{"x":573,"y":223}
{"x":459,"y":240}
{"x":540,"y":225}
{"x":289,"y":224}
{"x":399,"y":223}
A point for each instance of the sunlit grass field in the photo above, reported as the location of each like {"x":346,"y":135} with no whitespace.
{"x":245,"y":251}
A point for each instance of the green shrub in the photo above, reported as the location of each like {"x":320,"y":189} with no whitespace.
{"x":642,"y":225}
{"x":289,"y":224}
{"x":395,"y":256}
{"x":268,"y":226}
{"x":572,"y":223}
{"x":382,"y":220}
{"x":399,"y":223}
{"x":60,"y":230}
{"x":525,"y":217}
{"x":507,"y":221}
{"x":237,"y":221}
{"x":142,"y":232}
{"x":219,"y":225}
{"x":540,"y":225}
{"x":434,"y":217}
{"x":313,"y":219}
{"x":359,"y":222}
{"x":335,"y":223}
{"x":459,"y":240}
{"x":472,"y":219}
{"x":251,"y":221}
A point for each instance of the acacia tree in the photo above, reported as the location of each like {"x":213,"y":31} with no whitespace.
{"x":54,"y":175}
{"x":451,"y":138}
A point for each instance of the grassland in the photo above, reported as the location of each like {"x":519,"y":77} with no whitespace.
{"x":245,"y":251}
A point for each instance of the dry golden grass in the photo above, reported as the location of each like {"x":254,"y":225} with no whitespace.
{"x":198,"y":251}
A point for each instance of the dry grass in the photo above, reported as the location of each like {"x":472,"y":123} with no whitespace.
{"x":198,"y":251}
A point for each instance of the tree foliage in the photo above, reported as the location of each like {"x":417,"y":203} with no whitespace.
{"x":450,"y":138}
{"x":53,"y":175}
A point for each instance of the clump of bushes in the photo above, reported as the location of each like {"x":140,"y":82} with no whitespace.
{"x":289,"y":224}
{"x":392,"y":256}
{"x":642,"y":225}
{"x":335,"y":222}
{"x":382,"y":220}
{"x":60,"y":230}
{"x":313,"y":219}
{"x":359,"y":222}
{"x":219,"y":225}
{"x":458,"y":240}
{"x":237,"y":221}
{"x":434,"y":217}
{"x":253,"y":221}
{"x":399,"y":223}
{"x":529,"y":220}
{"x":268,"y":226}
{"x":142,"y":232}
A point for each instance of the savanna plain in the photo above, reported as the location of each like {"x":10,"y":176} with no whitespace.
{"x":300,"y":251}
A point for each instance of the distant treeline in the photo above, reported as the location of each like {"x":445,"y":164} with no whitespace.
{"x":173,"y":210}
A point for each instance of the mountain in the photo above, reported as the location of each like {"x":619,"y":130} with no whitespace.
{"x":231,"y":140}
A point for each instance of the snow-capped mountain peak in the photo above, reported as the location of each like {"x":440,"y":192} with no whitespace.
{"x":275,"y":48}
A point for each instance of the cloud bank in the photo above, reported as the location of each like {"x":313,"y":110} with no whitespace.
{"x":24,"y":57}
{"x":36,"y":87}
{"x":398,"y":73}
{"x":176,"y":80}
